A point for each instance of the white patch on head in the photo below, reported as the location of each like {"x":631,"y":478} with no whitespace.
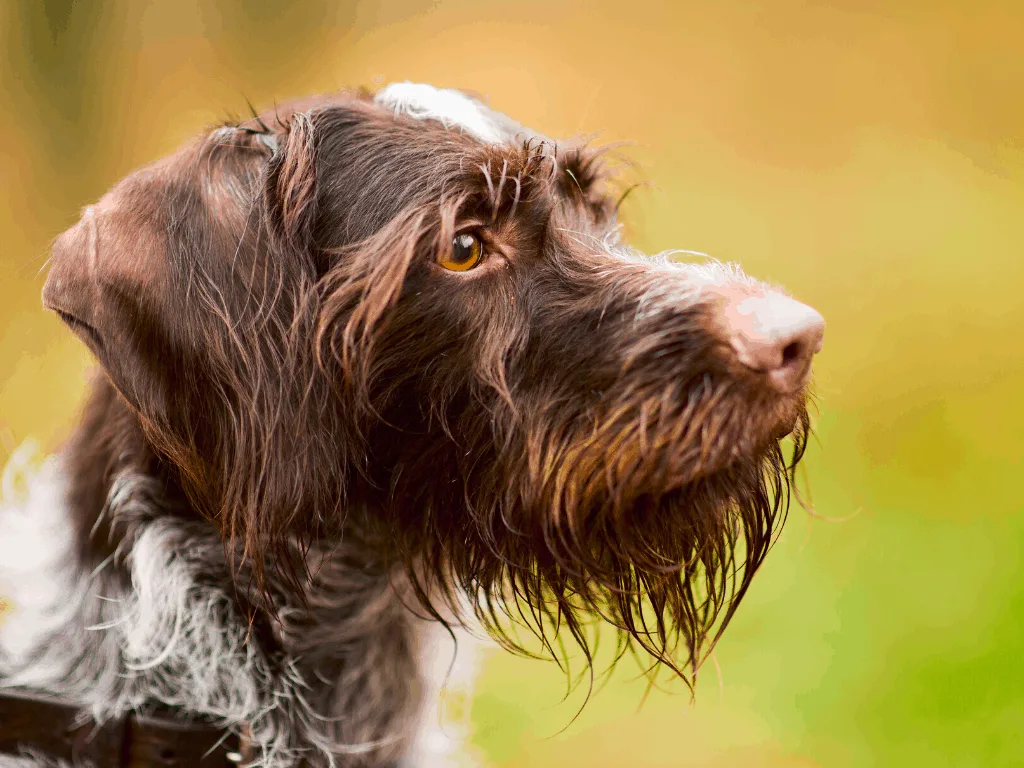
{"x":449,"y":107}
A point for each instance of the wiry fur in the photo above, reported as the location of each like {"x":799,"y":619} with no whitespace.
{"x":310,"y":441}
{"x":172,"y":633}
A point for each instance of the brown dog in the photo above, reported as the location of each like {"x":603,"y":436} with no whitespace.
{"x":373,"y":364}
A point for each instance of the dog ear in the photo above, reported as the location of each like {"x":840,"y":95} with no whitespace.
{"x":70,"y":289}
{"x":106,"y":282}
{"x":187,"y":281}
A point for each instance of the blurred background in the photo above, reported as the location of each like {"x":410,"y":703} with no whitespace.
{"x":866,"y":154}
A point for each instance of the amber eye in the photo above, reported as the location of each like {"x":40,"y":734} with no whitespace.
{"x":467,"y":251}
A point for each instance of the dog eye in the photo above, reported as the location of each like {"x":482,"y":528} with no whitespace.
{"x":467,"y":251}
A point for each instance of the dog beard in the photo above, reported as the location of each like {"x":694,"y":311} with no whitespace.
{"x":654,"y":526}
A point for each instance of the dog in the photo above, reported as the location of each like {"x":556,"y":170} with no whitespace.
{"x":378,"y":373}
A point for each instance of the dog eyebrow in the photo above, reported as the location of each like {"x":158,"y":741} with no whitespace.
{"x":445,"y":105}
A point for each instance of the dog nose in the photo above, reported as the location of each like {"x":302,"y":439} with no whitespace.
{"x":776,"y":336}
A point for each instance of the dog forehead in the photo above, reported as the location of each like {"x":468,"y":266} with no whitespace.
{"x":449,"y":107}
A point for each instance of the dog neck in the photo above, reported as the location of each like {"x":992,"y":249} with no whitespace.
{"x":104,"y":466}
{"x":122,"y":598}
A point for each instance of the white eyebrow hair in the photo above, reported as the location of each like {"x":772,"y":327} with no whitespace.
{"x":449,"y":107}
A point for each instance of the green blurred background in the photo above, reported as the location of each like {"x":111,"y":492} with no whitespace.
{"x":868,"y":155}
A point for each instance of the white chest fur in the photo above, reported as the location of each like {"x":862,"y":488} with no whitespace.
{"x":167,"y":635}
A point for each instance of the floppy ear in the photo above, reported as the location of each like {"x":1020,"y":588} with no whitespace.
{"x":189,"y":281}
{"x":70,"y":289}
{"x":105,"y":282}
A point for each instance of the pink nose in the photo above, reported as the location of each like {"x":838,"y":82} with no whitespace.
{"x":774,"y":335}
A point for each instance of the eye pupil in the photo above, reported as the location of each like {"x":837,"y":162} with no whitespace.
{"x":466,"y":253}
{"x":463,"y":248}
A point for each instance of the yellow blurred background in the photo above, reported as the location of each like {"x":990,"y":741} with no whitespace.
{"x":868,"y":155}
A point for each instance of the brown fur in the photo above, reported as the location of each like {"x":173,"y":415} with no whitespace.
{"x":558,"y":435}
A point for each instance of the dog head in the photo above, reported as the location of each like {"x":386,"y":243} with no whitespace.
{"x":406,"y":318}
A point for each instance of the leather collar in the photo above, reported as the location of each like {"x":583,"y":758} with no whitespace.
{"x":48,"y":727}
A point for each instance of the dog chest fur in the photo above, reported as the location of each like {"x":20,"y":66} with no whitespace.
{"x":170,"y":632}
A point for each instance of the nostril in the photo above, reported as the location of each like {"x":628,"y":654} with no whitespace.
{"x":792,"y":352}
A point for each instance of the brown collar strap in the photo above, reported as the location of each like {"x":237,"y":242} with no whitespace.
{"x":50,"y":728}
